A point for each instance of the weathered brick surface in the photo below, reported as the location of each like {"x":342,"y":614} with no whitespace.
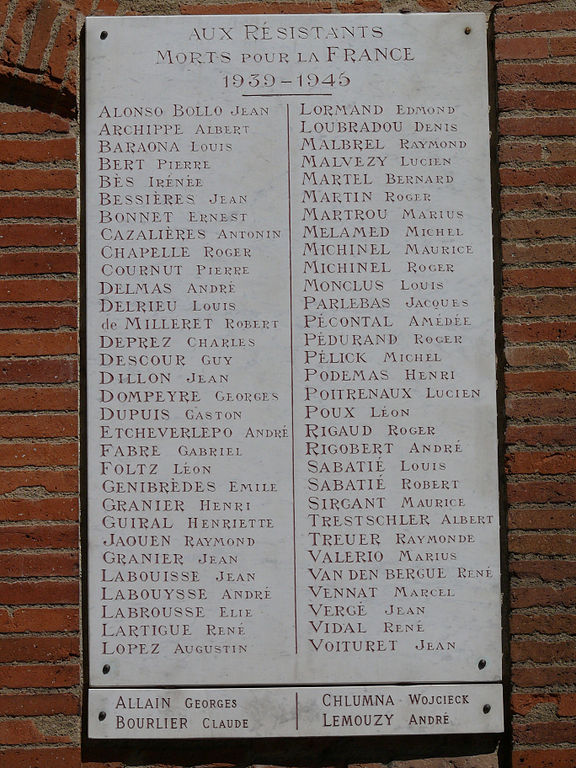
{"x":535,"y":47}
{"x":40,"y":620}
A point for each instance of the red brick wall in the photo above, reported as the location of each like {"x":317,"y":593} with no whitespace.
{"x":536,"y":49}
{"x":40,"y":664}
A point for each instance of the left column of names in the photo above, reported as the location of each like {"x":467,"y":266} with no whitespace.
{"x":188,"y":305}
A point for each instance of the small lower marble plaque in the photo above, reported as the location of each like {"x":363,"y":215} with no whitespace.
{"x":292,"y":473}
{"x":235,"y":713}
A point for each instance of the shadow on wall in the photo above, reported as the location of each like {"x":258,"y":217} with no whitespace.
{"x":311,"y":753}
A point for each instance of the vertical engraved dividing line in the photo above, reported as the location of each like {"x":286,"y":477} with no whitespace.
{"x":292,"y":377}
{"x":296,"y":701}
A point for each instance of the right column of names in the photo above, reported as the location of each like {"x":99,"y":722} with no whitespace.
{"x":394,"y":378}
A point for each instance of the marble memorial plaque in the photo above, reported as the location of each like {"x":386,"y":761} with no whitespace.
{"x":309,"y":711}
{"x":291,"y":411}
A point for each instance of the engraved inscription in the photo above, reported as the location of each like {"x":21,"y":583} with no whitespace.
{"x":292,"y":475}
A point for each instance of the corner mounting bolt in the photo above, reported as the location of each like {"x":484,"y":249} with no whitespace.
{"x":101,"y":716}
{"x":468,"y":30}
{"x":103,"y":35}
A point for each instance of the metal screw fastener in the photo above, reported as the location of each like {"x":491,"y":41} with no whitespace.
{"x":103,"y":35}
{"x":467,"y":30}
{"x":481,"y":663}
{"x":101,"y":715}
{"x":486,"y":708}
{"x":106,"y":669}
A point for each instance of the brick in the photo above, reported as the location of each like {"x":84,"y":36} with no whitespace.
{"x":71,"y":82}
{"x":541,"y":381}
{"x":438,"y":6}
{"x":32,"y":179}
{"x":567,"y":705}
{"x":18,"y":454}
{"x":526,"y":703}
{"x":39,"y":536}
{"x":65,"y":42}
{"x":543,"y":544}
{"x":550,"y":356}
{"x":537,"y":126}
{"x":39,"y":676}
{"x":546,"y":676}
{"x":14,"y":33}
{"x":39,"y":648}
{"x":39,"y":704}
{"x":541,"y":434}
{"x":544,"y":758}
{"x":49,"y":757}
{"x":37,"y":151}
{"x":545,"y":570}
{"x":563,"y":46}
{"x":521,"y":153}
{"x":38,"y":290}
{"x":529,"y":356}
{"x":38,"y":262}
{"x":107,"y":7}
{"x":550,"y":304}
{"x":541,"y":492}
{"x":37,"y":234}
{"x":544,"y":276}
{"x":549,"y":72}
{"x":59,"y":481}
{"x":541,"y":462}
{"x":561,"y":152}
{"x":530,"y":597}
{"x":40,"y":317}
{"x":84,"y":6}
{"x":57,"y":509}
{"x":42,"y":371}
{"x":535,"y":22}
{"x":540,"y":200}
{"x":359,"y":6}
{"x":32,"y":121}
{"x":521,"y":177}
{"x":47,"y":13}
{"x":542,"y":519}
{"x":26,"y":732}
{"x":522,"y":253}
{"x":45,"y":425}
{"x":543,"y":733}
{"x":535,"y":98}
{"x":50,"y":619}
{"x":546,"y":407}
{"x":522,"y":48}
{"x":3,"y":14}
{"x":37,"y":343}
{"x":542,"y":651}
{"x":547,"y":624}
{"x":39,"y":399}
{"x":47,"y":592}
{"x":40,"y":206}
{"x":40,"y":564}
{"x":525,"y":229}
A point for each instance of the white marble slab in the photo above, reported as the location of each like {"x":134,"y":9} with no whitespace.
{"x":311,"y":711}
{"x":292,"y":450}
